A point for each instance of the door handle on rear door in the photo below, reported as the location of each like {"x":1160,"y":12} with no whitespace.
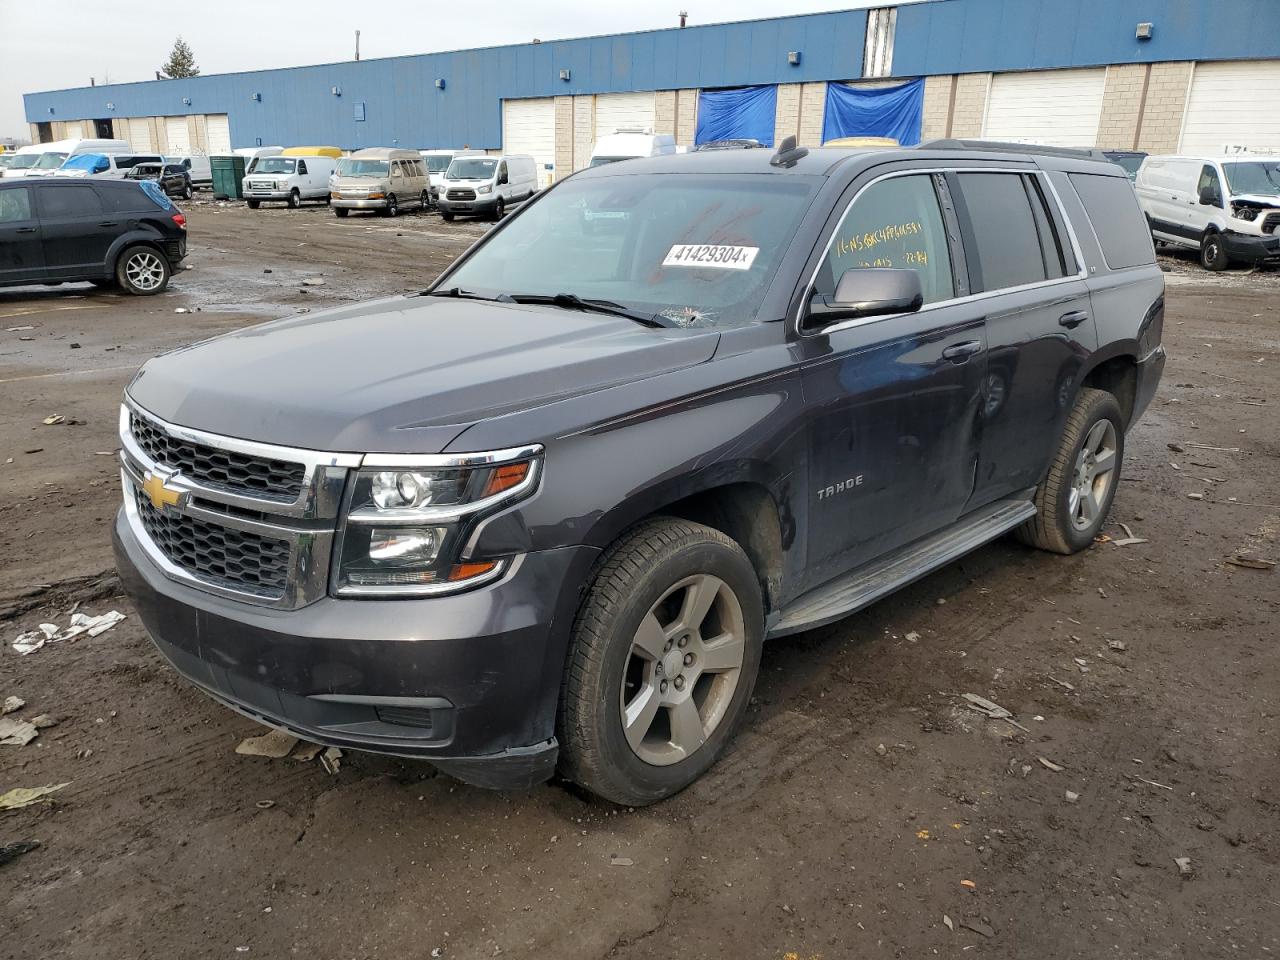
{"x":960,"y":352}
{"x":25,"y":230}
{"x":109,"y":223}
{"x":1073,"y":319}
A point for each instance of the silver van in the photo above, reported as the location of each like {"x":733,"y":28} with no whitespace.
{"x":380,"y":178}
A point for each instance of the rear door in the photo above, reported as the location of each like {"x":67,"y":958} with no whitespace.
{"x":893,"y":437}
{"x":21,"y":255}
{"x":76,"y":233}
{"x":1026,"y":275}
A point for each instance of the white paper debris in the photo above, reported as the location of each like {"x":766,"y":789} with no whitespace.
{"x":33,"y":640}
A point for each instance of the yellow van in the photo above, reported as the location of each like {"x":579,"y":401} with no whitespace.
{"x":311,"y":152}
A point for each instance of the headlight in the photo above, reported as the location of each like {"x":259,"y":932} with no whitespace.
{"x":406,"y":526}
{"x":484,"y":189}
{"x":1245,"y":213}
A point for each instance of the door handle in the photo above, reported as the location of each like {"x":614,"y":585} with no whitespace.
{"x":109,"y":223}
{"x":1073,"y":319}
{"x":960,"y":352}
{"x":25,"y":230}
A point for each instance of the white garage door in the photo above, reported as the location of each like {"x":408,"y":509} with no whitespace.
{"x":529,"y":126}
{"x":140,"y":135}
{"x":1057,"y":107}
{"x":219,"y":134}
{"x":75,"y":129}
{"x":175,"y":131}
{"x":1228,"y":106}
{"x":624,"y":111}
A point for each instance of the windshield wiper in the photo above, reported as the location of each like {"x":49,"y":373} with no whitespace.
{"x":571,"y":301}
{"x":459,"y":294}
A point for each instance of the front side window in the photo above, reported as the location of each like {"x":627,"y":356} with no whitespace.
{"x":1208,"y":186}
{"x":15,"y":204}
{"x":1006,"y":242}
{"x":690,"y":249}
{"x":72,"y":200}
{"x":302,"y":166}
{"x":893,"y":223}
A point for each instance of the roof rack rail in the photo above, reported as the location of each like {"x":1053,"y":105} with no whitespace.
{"x":996,"y":146}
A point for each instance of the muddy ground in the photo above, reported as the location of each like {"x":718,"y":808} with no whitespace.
{"x":863,"y":812}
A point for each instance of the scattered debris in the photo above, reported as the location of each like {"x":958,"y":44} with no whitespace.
{"x":265,"y":804}
{"x":1251,"y":563}
{"x":25,"y":796}
{"x":274,"y":744}
{"x":181,"y":310}
{"x":1195,"y":496}
{"x":12,"y":851}
{"x":969,"y":883}
{"x":75,"y":346}
{"x":1072,"y":796}
{"x":13,"y":703}
{"x":1152,"y":783}
{"x":1082,"y":663}
{"x":1185,"y":870}
{"x":1205,"y":446}
{"x":1050,"y":765}
{"x":881,"y":749}
{"x":1061,"y":683}
{"x":53,"y":420}
{"x":33,"y":640}
{"x":977,"y":926}
{"x":617,"y":861}
{"x":331,"y":760}
{"x":1129,"y":539}
{"x":950,"y":924}
{"x":18,"y":329}
{"x":913,"y":637}
{"x":307,"y":752}
{"x":17,"y":733}
{"x":991,"y":710}
{"x":313,"y":281}
{"x":1176,"y":447}
{"x":1117,"y":645}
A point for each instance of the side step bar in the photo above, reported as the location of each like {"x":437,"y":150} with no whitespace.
{"x":869,"y":583}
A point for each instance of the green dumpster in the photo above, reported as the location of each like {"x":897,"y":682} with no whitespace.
{"x":228,"y":177}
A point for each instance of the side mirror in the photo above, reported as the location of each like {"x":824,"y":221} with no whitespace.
{"x":868,"y":292}
{"x":1209,"y":196}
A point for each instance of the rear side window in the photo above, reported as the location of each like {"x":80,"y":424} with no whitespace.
{"x":70,"y":201}
{"x":1117,"y":219}
{"x":15,"y":204}
{"x":1005,"y":234}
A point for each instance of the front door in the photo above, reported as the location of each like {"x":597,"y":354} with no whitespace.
{"x":75,"y":231}
{"x":894,"y":400}
{"x":21,"y":257}
{"x":1040,"y":327}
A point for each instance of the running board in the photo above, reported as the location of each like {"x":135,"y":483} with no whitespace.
{"x":872,"y":581}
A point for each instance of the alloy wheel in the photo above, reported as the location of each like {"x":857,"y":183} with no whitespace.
{"x":682,"y":669}
{"x":145,"y":271}
{"x":1094,"y":473}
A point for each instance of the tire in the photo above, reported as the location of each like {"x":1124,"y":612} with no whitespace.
{"x":254,"y":204}
{"x":187,"y":192}
{"x":295,"y":200}
{"x":1065,"y":523}
{"x":392,"y":209}
{"x":1213,"y":255}
{"x":142,"y":271}
{"x":648,"y":576}
{"x":341,"y":211}
{"x":446,"y":216}
{"x":499,"y":209}
{"x":424,"y":202}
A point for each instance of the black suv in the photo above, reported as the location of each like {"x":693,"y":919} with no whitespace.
{"x":108,"y":232}
{"x":173,"y":178}
{"x":545,"y":514}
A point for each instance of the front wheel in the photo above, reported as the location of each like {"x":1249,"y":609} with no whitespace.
{"x":295,"y":200}
{"x":498,"y":209}
{"x":1075,"y":496}
{"x":446,"y":216}
{"x":254,"y":204}
{"x":1213,"y":255}
{"x":665,"y":651}
{"x":424,"y":202}
{"x":186,"y":192}
{"x":142,"y":271}
{"x":340,"y":211}
{"x":391,"y":209}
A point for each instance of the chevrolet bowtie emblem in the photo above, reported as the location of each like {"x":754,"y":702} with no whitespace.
{"x":160,"y":495}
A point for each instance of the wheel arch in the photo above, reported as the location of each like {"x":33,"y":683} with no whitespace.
{"x":1117,"y":374}
{"x":134,"y":238}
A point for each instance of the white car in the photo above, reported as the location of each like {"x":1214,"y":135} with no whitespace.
{"x":105,"y":166}
{"x":291,"y":179}
{"x":1226,"y":207}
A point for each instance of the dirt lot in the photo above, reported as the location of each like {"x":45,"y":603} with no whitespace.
{"x":862,"y":813}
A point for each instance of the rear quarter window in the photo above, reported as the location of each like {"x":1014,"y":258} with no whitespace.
{"x":138,"y":196}
{"x":1118,"y":221}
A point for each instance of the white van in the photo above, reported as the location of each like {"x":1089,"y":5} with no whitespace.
{"x":105,"y":166}
{"x":41,"y":159}
{"x":291,"y":179}
{"x":197,"y":166}
{"x":438,"y":161}
{"x":251,"y":154}
{"x":379,"y":178}
{"x":487,"y":185}
{"x":625,"y":144}
{"x":1227,"y":207}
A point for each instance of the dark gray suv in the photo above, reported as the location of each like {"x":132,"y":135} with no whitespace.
{"x":544,"y":515}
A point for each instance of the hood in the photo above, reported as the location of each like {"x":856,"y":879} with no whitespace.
{"x":1256,"y":199}
{"x":402,"y":375}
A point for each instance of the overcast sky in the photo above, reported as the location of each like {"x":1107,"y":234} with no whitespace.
{"x":53,"y":46}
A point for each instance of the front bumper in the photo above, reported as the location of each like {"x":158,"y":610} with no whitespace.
{"x":266,"y":194}
{"x":357,"y":203}
{"x":1150,"y":369}
{"x":478,"y":205}
{"x":1249,"y":248}
{"x":469,"y":682}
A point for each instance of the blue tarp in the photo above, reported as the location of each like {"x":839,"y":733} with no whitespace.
{"x":874,"y":112}
{"x":744,"y":113}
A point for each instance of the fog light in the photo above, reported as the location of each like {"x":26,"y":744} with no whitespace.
{"x":404,"y":546}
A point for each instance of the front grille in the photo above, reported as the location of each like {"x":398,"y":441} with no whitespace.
{"x":226,"y":557}
{"x":1270,"y":222}
{"x":260,"y":477}
{"x":457,"y":194}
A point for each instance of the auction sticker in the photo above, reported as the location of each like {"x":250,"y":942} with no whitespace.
{"x":715,"y":256}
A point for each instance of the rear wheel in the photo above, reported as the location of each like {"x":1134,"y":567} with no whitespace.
{"x":424,"y":202}
{"x":665,"y":651}
{"x":186,"y":191}
{"x":340,"y":211}
{"x":1213,"y":255}
{"x":1075,"y":496}
{"x":142,"y":271}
